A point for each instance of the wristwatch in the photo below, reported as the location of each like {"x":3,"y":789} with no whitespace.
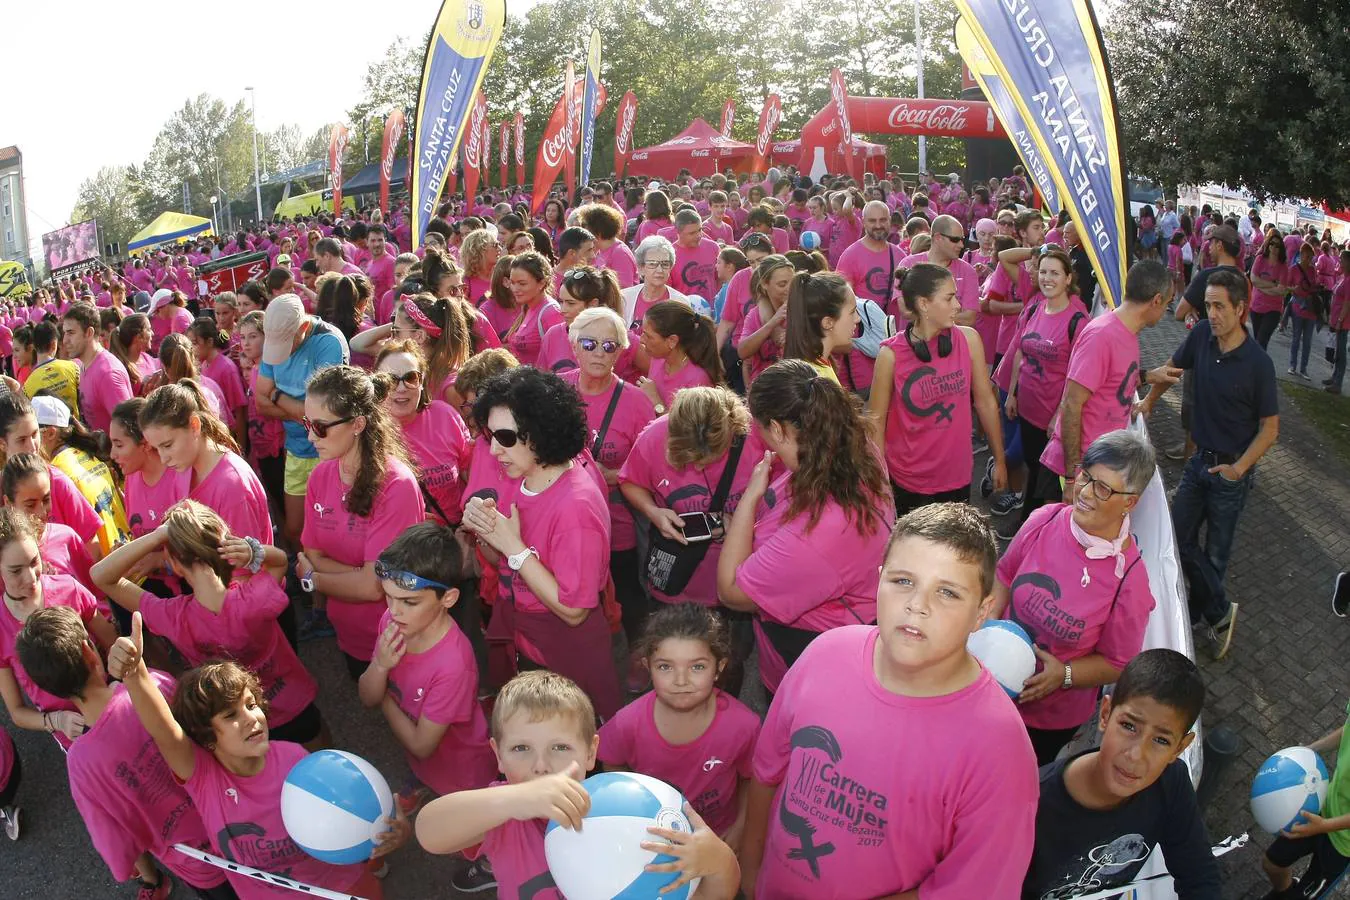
{"x":660,"y":409}
{"x":515,"y":561}
{"x":1068,"y":676}
{"x":276,"y":395}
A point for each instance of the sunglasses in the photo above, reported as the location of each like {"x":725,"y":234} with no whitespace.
{"x":954,"y":238}
{"x":411,"y":379}
{"x":406,"y":580}
{"x":320,"y":428}
{"x":503,"y":436}
{"x":589,"y":344}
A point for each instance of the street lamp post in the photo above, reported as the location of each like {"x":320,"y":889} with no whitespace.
{"x":215,"y":224}
{"x":918,"y":53}
{"x":257,"y":177}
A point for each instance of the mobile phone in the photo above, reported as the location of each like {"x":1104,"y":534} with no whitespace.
{"x":698,"y":526}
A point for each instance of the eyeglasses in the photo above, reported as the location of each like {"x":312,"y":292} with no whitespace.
{"x":320,"y":427}
{"x":406,"y":580}
{"x":503,"y":436}
{"x":589,"y":344}
{"x":575,"y":275}
{"x":459,"y":290}
{"x":1100,"y":489}
{"x":411,"y":379}
{"x":954,"y":238}
{"x":659,"y":264}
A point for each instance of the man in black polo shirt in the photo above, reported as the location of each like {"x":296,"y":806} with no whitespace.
{"x":1236,"y":420}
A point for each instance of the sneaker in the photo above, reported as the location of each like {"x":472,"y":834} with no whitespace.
{"x":1305,"y":376}
{"x":10,"y":816}
{"x":477,"y":877}
{"x":159,"y":891}
{"x":1223,"y":631}
{"x":1177,"y":451}
{"x":987,"y":482}
{"x":1326,"y":381}
{"x":410,"y":801}
{"x":979,"y":445}
{"x":1005,"y":503}
{"x":1291,"y":371}
{"x":1340,"y":595}
{"x":315,"y":626}
{"x":1007,"y":527}
{"x":1332,"y":389}
{"x":379,"y":868}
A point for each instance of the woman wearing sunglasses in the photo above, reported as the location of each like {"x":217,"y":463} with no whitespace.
{"x":437,"y":440}
{"x":616,"y":413}
{"x":1072,"y":578}
{"x":360,"y":497}
{"x":537,"y":312}
{"x":443,"y":328}
{"x":582,"y":287}
{"x":442,"y":278}
{"x":547,"y":529}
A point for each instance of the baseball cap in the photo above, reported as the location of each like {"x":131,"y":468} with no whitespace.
{"x":51,"y":411}
{"x":1226,"y":233}
{"x":283,"y":260}
{"x":160,"y":298}
{"x":281,"y":323}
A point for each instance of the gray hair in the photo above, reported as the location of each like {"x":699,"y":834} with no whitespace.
{"x":1147,"y":279}
{"x":599,"y":314}
{"x":687,"y":216}
{"x":653,"y":242}
{"x":1126,"y":453}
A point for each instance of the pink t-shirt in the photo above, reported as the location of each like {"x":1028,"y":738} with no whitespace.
{"x":441,"y":684}
{"x":844,"y":231}
{"x":963,"y":273}
{"x":246,"y":631}
{"x":695,"y":269}
{"x":633,"y":414}
{"x":945,"y":803}
{"x":103,"y":385}
{"x":811,"y":578}
{"x":720,"y":232}
{"x":478,"y":288}
{"x":525,"y":341}
{"x":1105,"y":360}
{"x":266,"y":435}
{"x":928,"y":420}
{"x":69,"y":506}
{"x":650,"y":227}
{"x":738,"y":300}
{"x":243,"y":814}
{"x":1044,"y":569}
{"x":57,"y":590}
{"x":619,"y":259}
{"x":499,"y":318}
{"x":63,"y":553}
{"x":236,"y":493}
{"x":688,"y":489}
{"x":357,"y":540}
{"x":1043,"y":338}
{"x":707,"y":770}
{"x":178,"y":322}
{"x":516,"y":851}
{"x":439,"y":445}
{"x":871,"y":273}
{"x":223,"y":371}
{"x":128,"y":797}
{"x":1269,"y":270}
{"x":381,"y":273}
{"x":822,"y":228}
{"x":999,"y":286}
{"x":667,"y":384}
{"x":555,"y":354}
{"x":769,"y":352}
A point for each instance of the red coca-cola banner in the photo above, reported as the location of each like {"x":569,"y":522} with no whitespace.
{"x":623,"y":131}
{"x":769,"y":117}
{"x":518,"y":125}
{"x":728,"y":114}
{"x":552,"y":149}
{"x":839,"y":97}
{"x":473,"y":146}
{"x":504,"y":139}
{"x":393,"y":131}
{"x":485,"y":154}
{"x":337,"y":145}
{"x":573,"y":121}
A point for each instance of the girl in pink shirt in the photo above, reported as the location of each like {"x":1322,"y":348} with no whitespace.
{"x":221,"y":617}
{"x":1269,"y":276}
{"x":236,"y":785}
{"x":582,"y":288}
{"x":28,"y":487}
{"x":178,"y":363}
{"x":498,"y":304}
{"x":209,"y":344}
{"x":682,"y":348}
{"x":20,"y":434}
{"x":759,"y":342}
{"x":686,"y":731}
{"x":360,"y":497}
{"x":656,"y":215}
{"x":266,"y":435}
{"x":801,"y":550}
{"x":531,"y":275}
{"x":927,"y":380}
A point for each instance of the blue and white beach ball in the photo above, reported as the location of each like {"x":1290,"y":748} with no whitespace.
{"x":810,"y":241}
{"x":334,"y":805}
{"x":1291,"y":782}
{"x":1004,"y":648}
{"x":605,"y":860}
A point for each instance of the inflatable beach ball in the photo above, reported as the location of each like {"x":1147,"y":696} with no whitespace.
{"x":605,"y":859}
{"x":1004,"y":648}
{"x":1293,"y":781}
{"x":810,"y":241}
{"x":334,"y":805}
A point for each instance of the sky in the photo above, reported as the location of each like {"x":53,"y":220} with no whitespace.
{"x":81,"y":112}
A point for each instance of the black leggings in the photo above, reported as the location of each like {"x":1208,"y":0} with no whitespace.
{"x":1034,"y":492}
{"x":1264,"y":325}
{"x":11,"y":788}
{"x":632,"y":599}
{"x":908,"y":501}
{"x":355,"y":667}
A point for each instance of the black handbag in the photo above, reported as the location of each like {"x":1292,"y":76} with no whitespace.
{"x":671,"y":564}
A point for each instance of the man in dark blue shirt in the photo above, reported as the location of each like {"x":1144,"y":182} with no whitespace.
{"x":1236,"y":420}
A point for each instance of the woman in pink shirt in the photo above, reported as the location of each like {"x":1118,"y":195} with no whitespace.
{"x":927,"y":380}
{"x":168,"y":315}
{"x":131,"y":344}
{"x":1073,"y":578}
{"x":478,"y":254}
{"x":266,"y":435}
{"x":20,"y":433}
{"x":498,"y":305}
{"x":547,"y":530}
{"x":360,"y":497}
{"x":531,"y":276}
{"x":209,"y":344}
{"x":682,"y":348}
{"x":179,"y":363}
{"x":1301,"y":279}
{"x":555,"y":220}
{"x":582,"y":288}
{"x":656,"y":215}
{"x":150,"y":488}
{"x":1269,"y":274}
{"x":801,"y":550}
{"x":759,"y":342}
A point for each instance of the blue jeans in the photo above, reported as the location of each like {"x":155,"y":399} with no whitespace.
{"x":1338,"y":370}
{"x":1300,"y":339}
{"x":1211,"y":500}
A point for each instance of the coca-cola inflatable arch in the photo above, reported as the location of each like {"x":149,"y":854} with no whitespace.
{"x":820,"y":141}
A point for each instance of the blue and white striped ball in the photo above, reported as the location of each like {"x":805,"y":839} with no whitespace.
{"x":1290,"y":783}
{"x":810,"y":241}
{"x":334,"y":805}
{"x":1004,"y":648}
{"x":605,"y":859}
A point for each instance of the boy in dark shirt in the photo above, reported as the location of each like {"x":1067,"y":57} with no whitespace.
{"x":1101,"y":812}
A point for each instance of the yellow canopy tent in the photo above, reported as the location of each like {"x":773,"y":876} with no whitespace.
{"x":167,"y":228}
{"x":312,"y":204}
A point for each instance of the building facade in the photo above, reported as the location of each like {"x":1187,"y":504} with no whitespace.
{"x":13,"y":210}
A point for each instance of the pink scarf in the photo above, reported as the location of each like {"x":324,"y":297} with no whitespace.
{"x":1101,"y":548}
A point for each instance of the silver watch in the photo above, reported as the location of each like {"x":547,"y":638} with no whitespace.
{"x":515,"y":561}
{"x":1068,"y":676}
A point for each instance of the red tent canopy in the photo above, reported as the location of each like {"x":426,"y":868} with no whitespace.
{"x":700,"y":148}
{"x":789,"y":153}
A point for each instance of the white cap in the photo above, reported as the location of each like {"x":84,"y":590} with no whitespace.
{"x":161,"y":297}
{"x":281,"y":323}
{"x":51,"y":411}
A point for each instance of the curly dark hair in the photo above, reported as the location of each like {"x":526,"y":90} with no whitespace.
{"x":550,"y":415}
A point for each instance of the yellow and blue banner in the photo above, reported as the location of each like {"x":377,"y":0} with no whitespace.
{"x":459,"y":50}
{"x":1049,"y":56}
{"x":589,"y":104}
{"x":14,"y":281}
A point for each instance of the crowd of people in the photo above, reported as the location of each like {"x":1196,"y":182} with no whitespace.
{"x":558,"y":485}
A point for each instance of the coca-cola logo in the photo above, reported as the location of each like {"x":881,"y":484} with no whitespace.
{"x":675,"y":142}
{"x":504,"y":136}
{"x":943,"y":117}
{"x":626,"y":118}
{"x":773,"y":112}
{"x":391,"y":148}
{"x":785,"y":147}
{"x":553,"y":147}
{"x":472,"y":141}
{"x":520,"y":139}
{"x":841,"y":107}
{"x":640,"y":156}
{"x":698,"y":152}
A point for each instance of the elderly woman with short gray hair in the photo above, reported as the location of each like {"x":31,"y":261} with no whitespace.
{"x":1073,"y":578}
{"x":655,"y":258}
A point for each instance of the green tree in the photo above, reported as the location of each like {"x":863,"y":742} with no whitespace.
{"x":110,"y":197}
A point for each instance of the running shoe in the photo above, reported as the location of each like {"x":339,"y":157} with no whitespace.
{"x":315,"y":626}
{"x":477,"y":877}
{"x":1177,"y":451}
{"x":1291,"y":371}
{"x":413,"y":799}
{"x":159,"y":891}
{"x":1005,"y":503}
{"x":979,"y":444}
{"x":1223,"y":631}
{"x":1007,"y":527}
{"x":1340,"y":594}
{"x":1305,"y":376}
{"x":987,"y":482}
{"x":10,"y":816}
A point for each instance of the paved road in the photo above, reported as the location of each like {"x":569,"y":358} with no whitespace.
{"x":1284,"y":683}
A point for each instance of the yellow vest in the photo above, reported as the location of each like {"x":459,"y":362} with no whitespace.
{"x":95,"y":482}
{"x":60,"y":378}
{"x":824,"y":369}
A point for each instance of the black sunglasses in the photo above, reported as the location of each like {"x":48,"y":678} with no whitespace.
{"x":320,"y":427}
{"x":589,"y":344}
{"x":411,"y":379}
{"x":503,"y":436}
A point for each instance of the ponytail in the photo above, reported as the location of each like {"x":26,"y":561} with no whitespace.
{"x":837,"y":461}
{"x":812,"y":299}
{"x":206,"y":329}
{"x":173,"y":406}
{"x":697,"y":334}
{"x":91,"y":443}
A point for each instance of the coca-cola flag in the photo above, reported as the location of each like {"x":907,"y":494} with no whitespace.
{"x":485,"y":154}
{"x":519,"y":127}
{"x":728,"y":114}
{"x":572,"y":122}
{"x":504,"y":138}
{"x":337,"y":145}
{"x":769,"y":117}
{"x":473,"y":146}
{"x":550,"y":158}
{"x":393,"y":132}
{"x":623,"y":131}
{"x":839,"y":97}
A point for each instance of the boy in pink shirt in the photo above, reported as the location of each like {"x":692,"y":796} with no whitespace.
{"x":122,"y":787}
{"x":957,"y":776}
